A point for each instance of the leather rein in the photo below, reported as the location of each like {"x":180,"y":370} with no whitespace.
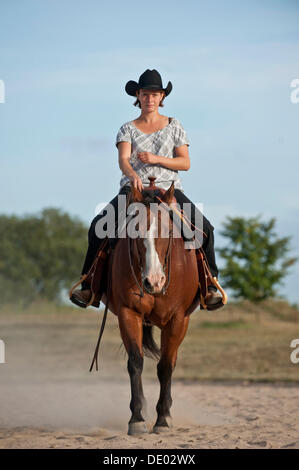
{"x":167,"y":262}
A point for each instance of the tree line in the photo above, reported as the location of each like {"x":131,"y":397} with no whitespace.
{"x":40,"y":255}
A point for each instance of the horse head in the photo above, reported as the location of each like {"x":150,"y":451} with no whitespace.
{"x":153,"y":243}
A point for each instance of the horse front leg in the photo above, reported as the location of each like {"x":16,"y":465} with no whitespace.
{"x":171,"y":337}
{"x":130,"y":325}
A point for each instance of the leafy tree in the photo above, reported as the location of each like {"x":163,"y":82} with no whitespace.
{"x":256,"y":258}
{"x":39,"y":255}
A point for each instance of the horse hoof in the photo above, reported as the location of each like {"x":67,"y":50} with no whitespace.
{"x":159,"y":429}
{"x":137,"y":428}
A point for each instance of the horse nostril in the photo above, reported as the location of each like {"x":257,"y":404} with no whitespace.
{"x":147,"y":284}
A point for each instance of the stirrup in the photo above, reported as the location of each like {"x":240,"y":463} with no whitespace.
{"x":82,"y":278}
{"x":221,"y":303}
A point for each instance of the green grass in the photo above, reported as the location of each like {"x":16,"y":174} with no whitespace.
{"x":228,"y":324}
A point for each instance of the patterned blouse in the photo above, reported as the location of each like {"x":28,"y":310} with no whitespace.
{"x":162,"y":143}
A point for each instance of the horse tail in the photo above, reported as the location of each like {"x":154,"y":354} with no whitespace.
{"x":150,"y":348}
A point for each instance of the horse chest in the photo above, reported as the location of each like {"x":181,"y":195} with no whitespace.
{"x":150,"y":307}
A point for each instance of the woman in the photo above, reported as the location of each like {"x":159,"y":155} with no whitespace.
{"x":151,"y":145}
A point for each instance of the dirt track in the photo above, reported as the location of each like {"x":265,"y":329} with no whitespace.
{"x":85,"y":415}
{"x":48,"y":399}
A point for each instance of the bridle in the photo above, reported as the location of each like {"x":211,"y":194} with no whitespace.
{"x":167,"y":261}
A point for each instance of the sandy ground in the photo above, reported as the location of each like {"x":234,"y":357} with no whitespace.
{"x":82,"y":415}
{"x":48,"y":398}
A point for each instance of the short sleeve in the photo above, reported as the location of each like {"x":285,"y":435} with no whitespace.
{"x":123,"y":135}
{"x":180,"y":136}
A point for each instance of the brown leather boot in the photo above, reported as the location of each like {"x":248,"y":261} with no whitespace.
{"x":82,"y":297}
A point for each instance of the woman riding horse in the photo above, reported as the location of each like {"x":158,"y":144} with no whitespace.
{"x":152,"y":145}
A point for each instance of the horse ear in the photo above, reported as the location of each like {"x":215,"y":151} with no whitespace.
{"x":168,"y":195}
{"x":136,"y":195}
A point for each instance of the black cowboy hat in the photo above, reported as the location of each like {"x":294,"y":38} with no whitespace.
{"x":149,"y":80}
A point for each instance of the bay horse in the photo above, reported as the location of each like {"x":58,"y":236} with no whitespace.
{"x":153,"y":282}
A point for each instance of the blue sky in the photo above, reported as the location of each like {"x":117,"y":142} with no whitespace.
{"x":65,"y":65}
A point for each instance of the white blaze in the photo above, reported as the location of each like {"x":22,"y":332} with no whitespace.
{"x":153,"y":268}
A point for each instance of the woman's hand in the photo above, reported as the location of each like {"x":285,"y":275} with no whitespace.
{"x":136,"y":181}
{"x":148,"y":157}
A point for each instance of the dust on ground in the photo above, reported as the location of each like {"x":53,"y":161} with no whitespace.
{"x":49,"y":399}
